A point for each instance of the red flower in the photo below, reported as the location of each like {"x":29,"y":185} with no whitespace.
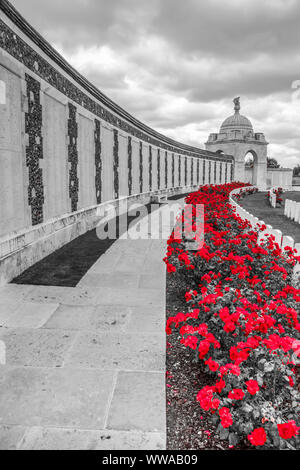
{"x":236,"y":394}
{"x":229,"y":326}
{"x":258,"y":437}
{"x":203,"y":348}
{"x":220,"y":385}
{"x":205,"y":398}
{"x":287,"y":430}
{"x":212,"y":365}
{"x":291,"y":381}
{"x":226,"y":417}
{"x":252,"y":386}
{"x":171,"y":268}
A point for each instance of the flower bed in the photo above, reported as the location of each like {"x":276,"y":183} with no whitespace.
{"x":240,"y":324}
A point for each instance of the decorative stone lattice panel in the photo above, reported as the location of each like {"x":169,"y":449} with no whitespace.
{"x":150,"y":168}
{"x":179,"y":170}
{"x":98,"y":161}
{"x":166,"y":169}
{"x":73,"y":157}
{"x":34,"y":149}
{"x":116,"y":164}
{"x":158,"y":168}
{"x":173,"y":170}
{"x":129,"y":166}
{"x":141,"y":167}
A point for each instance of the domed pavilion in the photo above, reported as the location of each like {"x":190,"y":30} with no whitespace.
{"x":237,"y":138}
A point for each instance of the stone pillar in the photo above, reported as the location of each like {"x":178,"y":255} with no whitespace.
{"x":239,"y":171}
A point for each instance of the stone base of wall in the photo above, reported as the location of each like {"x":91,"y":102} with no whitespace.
{"x":20,"y":250}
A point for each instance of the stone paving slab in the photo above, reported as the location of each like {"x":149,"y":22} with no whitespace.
{"x":130,"y":280}
{"x":138,"y":402}
{"x":12,"y":293}
{"x":108,"y":262}
{"x":130,"y":297}
{"x":6,"y":311}
{"x":93,"y":317}
{"x":36,"y":347}
{"x":10,"y":436}
{"x":150,"y":281}
{"x":54,"y":397}
{"x":62,"y":295}
{"x":30,"y":315}
{"x":147,"y":319}
{"x":117,"y":351}
{"x":130,"y":263}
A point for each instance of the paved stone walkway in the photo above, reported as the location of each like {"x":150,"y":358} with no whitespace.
{"x":85,"y":366}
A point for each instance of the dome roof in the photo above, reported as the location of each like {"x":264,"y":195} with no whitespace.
{"x":236,"y":121}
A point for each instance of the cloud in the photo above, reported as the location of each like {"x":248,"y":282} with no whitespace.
{"x":177,"y":65}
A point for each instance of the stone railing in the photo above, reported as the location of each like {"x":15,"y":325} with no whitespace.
{"x":282,"y":240}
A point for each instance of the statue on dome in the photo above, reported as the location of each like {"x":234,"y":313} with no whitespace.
{"x":237,"y":105}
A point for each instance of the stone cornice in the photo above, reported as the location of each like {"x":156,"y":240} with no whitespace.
{"x":234,"y":141}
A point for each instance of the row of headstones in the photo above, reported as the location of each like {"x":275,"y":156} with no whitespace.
{"x":292,"y":210}
{"x":282,"y":240}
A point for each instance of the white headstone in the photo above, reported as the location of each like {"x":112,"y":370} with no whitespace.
{"x":277,"y":235}
{"x":287,"y":241}
{"x":297,"y":212}
{"x":297,"y":248}
{"x":287,"y":205}
{"x":293,"y":209}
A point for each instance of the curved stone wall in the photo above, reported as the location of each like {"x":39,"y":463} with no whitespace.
{"x":65,"y":147}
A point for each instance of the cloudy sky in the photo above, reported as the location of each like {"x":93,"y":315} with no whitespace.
{"x":177,"y":64}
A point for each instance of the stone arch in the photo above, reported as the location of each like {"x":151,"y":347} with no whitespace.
{"x":251,"y":172}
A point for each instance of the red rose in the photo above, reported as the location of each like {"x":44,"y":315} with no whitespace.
{"x":252,"y":386}
{"x":229,"y":326}
{"x":203,"y":348}
{"x":220,"y":385}
{"x":287,"y":430}
{"x":212,"y":365}
{"x":226,"y":417}
{"x":236,"y":394}
{"x":258,"y":437}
